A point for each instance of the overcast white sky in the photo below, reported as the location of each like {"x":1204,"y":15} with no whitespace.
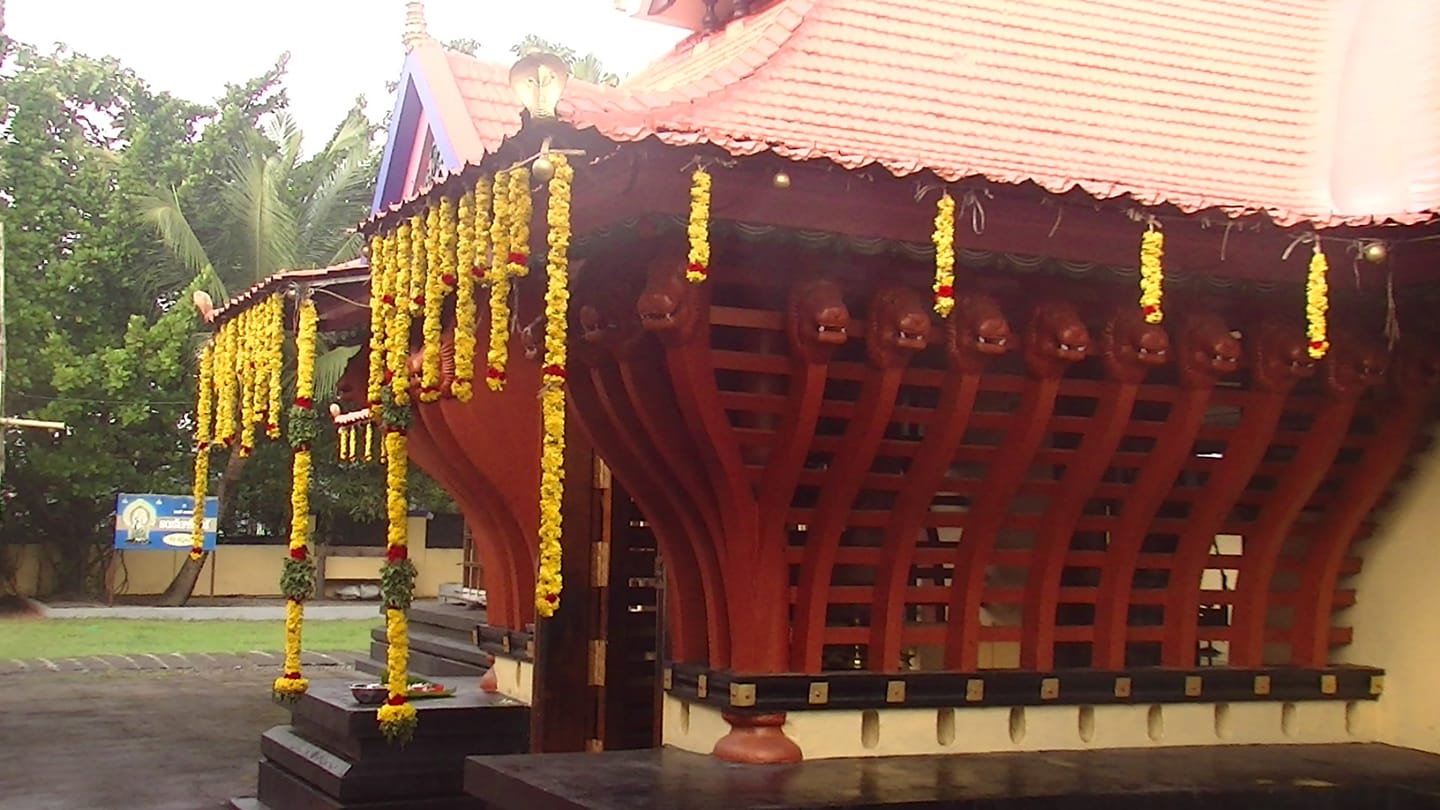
{"x":339,"y":48}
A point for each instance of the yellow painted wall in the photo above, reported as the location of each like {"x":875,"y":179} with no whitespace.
{"x":1397,"y":612}
{"x":239,"y":570}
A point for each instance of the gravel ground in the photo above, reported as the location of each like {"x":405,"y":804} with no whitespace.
{"x":179,"y":739}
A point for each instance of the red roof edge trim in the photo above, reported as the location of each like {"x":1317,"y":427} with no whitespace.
{"x":355,"y":268}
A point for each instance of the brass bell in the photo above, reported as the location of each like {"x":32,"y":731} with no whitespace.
{"x":542,"y":169}
{"x":780,"y":180}
{"x":1375,"y":252}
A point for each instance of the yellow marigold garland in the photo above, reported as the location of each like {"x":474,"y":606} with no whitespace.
{"x":365,"y":454}
{"x":511,"y":229}
{"x":274,"y":360}
{"x":397,"y":374}
{"x":944,"y":238}
{"x":223,"y":375}
{"x":439,"y":282}
{"x":246,"y":365}
{"x":297,"y":580}
{"x":548,"y":581}
{"x":204,"y":402}
{"x":496,"y":353}
{"x":1152,"y":275}
{"x":698,"y":229}
{"x":382,"y":250}
{"x":473,"y":235}
{"x":397,"y":718}
{"x":1317,"y":304}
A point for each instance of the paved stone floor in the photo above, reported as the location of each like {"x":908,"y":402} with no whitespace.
{"x":175,"y":738}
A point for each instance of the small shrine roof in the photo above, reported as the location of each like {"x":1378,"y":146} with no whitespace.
{"x":1324,"y":112}
{"x":357,"y":269}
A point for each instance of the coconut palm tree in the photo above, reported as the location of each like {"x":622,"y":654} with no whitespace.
{"x":274,"y":209}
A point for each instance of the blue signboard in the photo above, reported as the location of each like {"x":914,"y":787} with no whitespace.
{"x":161,"y":522}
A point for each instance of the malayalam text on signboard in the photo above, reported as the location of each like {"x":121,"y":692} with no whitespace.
{"x":161,"y":522}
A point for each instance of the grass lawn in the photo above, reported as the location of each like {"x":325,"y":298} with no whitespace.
{"x":65,"y":638}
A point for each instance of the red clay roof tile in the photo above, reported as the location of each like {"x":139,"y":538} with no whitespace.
{"x":1192,"y":103}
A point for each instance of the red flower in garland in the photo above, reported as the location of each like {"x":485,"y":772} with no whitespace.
{"x":396,"y":700}
{"x":554,"y":371}
{"x":297,"y":553}
{"x":517,"y":257}
{"x":945,"y":291}
{"x":478,"y":271}
{"x":448,"y":279}
{"x":396,"y":554}
{"x":304,"y":402}
{"x":494,"y":373}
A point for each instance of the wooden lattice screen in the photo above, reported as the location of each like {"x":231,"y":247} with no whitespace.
{"x":939,"y":520}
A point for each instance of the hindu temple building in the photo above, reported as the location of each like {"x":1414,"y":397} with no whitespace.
{"x":920,"y":379}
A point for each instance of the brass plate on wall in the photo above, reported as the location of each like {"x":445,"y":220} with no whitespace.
{"x":819,"y":693}
{"x":742,"y":695}
{"x":1262,"y":684}
{"x":667,"y":678}
{"x":895,"y":692}
{"x":974,"y":690}
{"x":1122,"y":687}
{"x":1049,"y":688}
{"x":1329,"y":685}
{"x":702,"y":686}
{"x":1193,"y":685}
{"x":1377,"y":684}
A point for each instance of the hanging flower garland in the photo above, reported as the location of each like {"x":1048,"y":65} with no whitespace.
{"x":406,"y":241}
{"x":369,"y":441}
{"x":1152,"y":275}
{"x":944,"y":238}
{"x":1317,"y":304}
{"x":204,"y":402}
{"x":249,"y":373}
{"x":512,"y":229}
{"x":275,"y":345}
{"x":381,"y":252}
{"x":473,"y":236}
{"x":224,"y":380}
{"x":397,"y":718}
{"x":297,"y":577}
{"x":439,"y":283}
{"x":698,"y":229}
{"x":548,"y":581}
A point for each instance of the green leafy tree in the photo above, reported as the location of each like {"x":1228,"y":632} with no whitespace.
{"x":87,"y":346}
{"x":256,"y":206}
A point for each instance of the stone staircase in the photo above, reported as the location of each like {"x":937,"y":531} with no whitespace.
{"x":332,"y":756}
{"x":442,"y":642}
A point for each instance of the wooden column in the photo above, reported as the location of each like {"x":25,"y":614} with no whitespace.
{"x":563,"y":711}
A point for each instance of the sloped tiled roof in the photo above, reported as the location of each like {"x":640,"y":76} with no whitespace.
{"x":241,"y":301}
{"x":1316,"y":111}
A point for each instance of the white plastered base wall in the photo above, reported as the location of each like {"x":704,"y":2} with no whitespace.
{"x":830,"y":733}
{"x":515,"y":679}
{"x":1396,"y":617}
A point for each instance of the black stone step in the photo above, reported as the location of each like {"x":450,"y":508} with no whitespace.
{"x":432,"y":660}
{"x":427,"y":664}
{"x":281,"y":790}
{"x":439,"y":646}
{"x":374,"y":779}
{"x":471,"y":722}
{"x":1273,"y":777}
{"x":453,"y":617}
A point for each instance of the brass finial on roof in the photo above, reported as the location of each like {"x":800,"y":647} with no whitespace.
{"x":415,"y":30}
